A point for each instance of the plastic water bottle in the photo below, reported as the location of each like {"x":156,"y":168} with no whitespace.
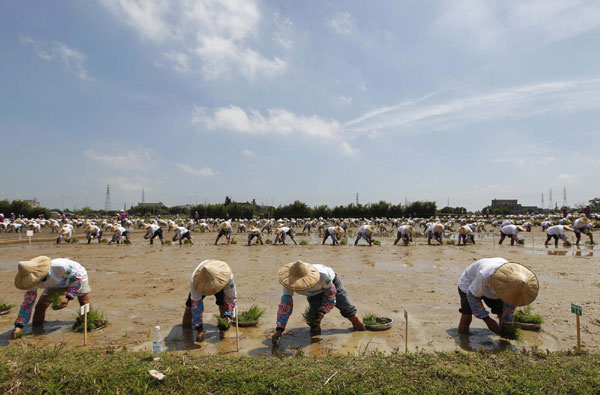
{"x":157,"y":341}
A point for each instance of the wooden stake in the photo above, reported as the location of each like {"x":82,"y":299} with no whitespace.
{"x":406,"y":331}
{"x":85,"y":329}
{"x":237,"y":333}
{"x":578,"y":334}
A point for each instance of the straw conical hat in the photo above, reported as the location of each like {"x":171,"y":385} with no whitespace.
{"x":30,"y":273}
{"x":464,"y":230}
{"x":89,"y":227}
{"x":339,"y":230}
{"x":584,"y":220}
{"x":567,"y":227}
{"x":521,"y":229}
{"x":115,"y":228}
{"x":211,"y":277}
{"x":225,"y":225}
{"x":254,"y":230}
{"x":370,"y":229}
{"x":515,"y":284}
{"x":409,"y":230}
{"x":438,"y":228}
{"x":65,"y":231}
{"x":279,"y":231}
{"x":298,"y":276}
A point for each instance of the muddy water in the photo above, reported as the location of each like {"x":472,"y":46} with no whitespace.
{"x":139,"y":286}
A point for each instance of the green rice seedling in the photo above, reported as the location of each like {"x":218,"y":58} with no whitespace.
{"x":370,"y":319}
{"x":512,"y":332}
{"x":5,"y":306}
{"x":104,"y":240}
{"x":344,"y":242}
{"x":74,"y":241}
{"x":253,"y":314}
{"x":303,"y":242}
{"x":95,"y":320}
{"x":377,"y":242}
{"x":233,"y":241}
{"x":521,"y":241}
{"x":222,"y":323}
{"x":524,"y":316}
{"x":55,"y":300}
{"x":450,"y":242}
{"x":168,"y":242}
{"x":310,"y":316}
{"x":268,"y":241}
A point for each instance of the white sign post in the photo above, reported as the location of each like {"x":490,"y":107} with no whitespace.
{"x":30,"y":235}
{"x":85,"y":309}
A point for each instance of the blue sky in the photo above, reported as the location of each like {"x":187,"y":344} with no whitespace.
{"x":286,"y":100}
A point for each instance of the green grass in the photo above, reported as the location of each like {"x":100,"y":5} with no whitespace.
{"x":26,"y":369}
{"x":222,"y":323}
{"x":524,"y":315}
{"x":94,"y":320}
{"x":310,"y":316}
{"x":252,"y":314}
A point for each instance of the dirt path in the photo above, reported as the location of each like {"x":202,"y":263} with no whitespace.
{"x":139,"y":286}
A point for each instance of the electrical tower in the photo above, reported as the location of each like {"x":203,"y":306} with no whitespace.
{"x":107,"y":201}
{"x":143,"y":196}
{"x":550,"y":199}
{"x":564,"y":196}
{"x":357,"y":198}
{"x":542,"y":201}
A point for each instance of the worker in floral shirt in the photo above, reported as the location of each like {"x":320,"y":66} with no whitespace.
{"x":323,"y":289}
{"x":210,"y":278}
{"x":502,"y":285}
{"x":57,"y":276}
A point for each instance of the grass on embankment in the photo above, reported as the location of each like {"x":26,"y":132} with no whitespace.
{"x":53,"y":370}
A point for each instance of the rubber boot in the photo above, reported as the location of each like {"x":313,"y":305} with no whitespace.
{"x":357,"y":323}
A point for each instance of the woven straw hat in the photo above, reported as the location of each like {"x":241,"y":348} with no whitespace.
{"x":89,"y":227}
{"x":438,"y":228}
{"x":225,"y":225}
{"x":370,"y":229}
{"x":515,"y":284}
{"x":584,"y":220}
{"x":464,"y":230}
{"x":567,"y":227}
{"x":115,"y":228}
{"x":64,"y":231}
{"x":339,"y":230}
{"x":254,"y":230}
{"x":298,"y":276}
{"x":211,"y":277}
{"x":30,"y":273}
{"x":521,"y":229}
{"x":279,"y":231}
{"x":409,"y":230}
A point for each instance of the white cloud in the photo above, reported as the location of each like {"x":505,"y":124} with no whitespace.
{"x":277,"y":122}
{"x":489,"y":25}
{"x":210,"y":36}
{"x":343,"y":23}
{"x":567,"y":177}
{"x":248,"y":153}
{"x":127,"y":160}
{"x":345,"y":99}
{"x":56,"y":51}
{"x":283,"y":32}
{"x":202,"y":172}
{"x":511,"y":103}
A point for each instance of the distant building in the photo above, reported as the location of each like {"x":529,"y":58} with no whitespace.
{"x":151,"y":205}
{"x":34,"y":203}
{"x":510,"y":203}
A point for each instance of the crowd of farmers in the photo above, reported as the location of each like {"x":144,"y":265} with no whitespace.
{"x":497,"y":283}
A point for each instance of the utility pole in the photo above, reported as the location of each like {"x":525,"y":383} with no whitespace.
{"x":564,"y":196}
{"x":107,"y":200}
{"x":542,"y":206}
{"x":357,"y":198}
{"x":550,"y":200}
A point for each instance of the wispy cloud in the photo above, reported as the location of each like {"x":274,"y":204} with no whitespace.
{"x":202,"y":172}
{"x":510,"y":103}
{"x":134,"y":183}
{"x":210,"y":36}
{"x":565,"y":177}
{"x":283,"y":31}
{"x":489,"y":25}
{"x":127,"y":160}
{"x":248,"y":153}
{"x":277,"y":122}
{"x":343,"y":23}
{"x":56,"y":51}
